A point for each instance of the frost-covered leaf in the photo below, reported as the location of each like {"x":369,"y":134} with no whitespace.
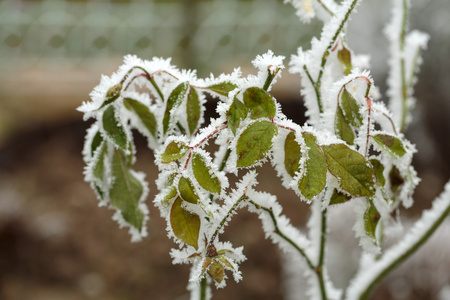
{"x":113,"y":128}
{"x":351,"y":168}
{"x":204,"y":175}
{"x":292,"y":154}
{"x":235,"y":114}
{"x":260,"y":103}
{"x":100,"y":165}
{"x":378,"y":169}
{"x":193,"y":110}
{"x":126,"y":190}
{"x":345,"y":57}
{"x":343,"y":128}
{"x":185,"y":225}
{"x":174,"y":150}
{"x":338,"y":198}
{"x":391,"y":143}
{"x":255,"y":142}
{"x":187,"y":190}
{"x":216,"y":271}
{"x":144,"y":114}
{"x":315,"y":177}
{"x":174,"y":100}
{"x":350,"y":109}
{"x":96,"y":142}
{"x":112,"y":94}
{"x":223,"y":88}
{"x":371,"y":219}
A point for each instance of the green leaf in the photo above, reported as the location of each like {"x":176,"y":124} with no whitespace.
{"x":187,"y":190}
{"x":126,"y":191}
{"x":343,"y":128}
{"x":216,"y":271}
{"x":292,"y":154}
{"x":350,"y":109}
{"x":260,"y":103}
{"x":351,"y":168}
{"x":223,"y":88}
{"x":113,"y":128}
{"x":185,"y":225}
{"x":174,"y":100}
{"x":193,"y":110}
{"x":338,"y":198}
{"x":315,"y":177}
{"x":100,"y":164}
{"x":391,"y":143}
{"x":371,"y":219}
{"x":173,"y":151}
{"x":112,"y":94}
{"x":345,"y":57}
{"x":96,"y":142}
{"x":378,"y":169}
{"x":144,"y":114}
{"x":235,"y":114}
{"x":255,"y":142}
{"x":204,"y":176}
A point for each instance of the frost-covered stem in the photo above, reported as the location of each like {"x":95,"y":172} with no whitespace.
{"x":319,"y":268}
{"x":325,"y":55}
{"x":224,"y":220}
{"x":223,"y":163}
{"x":283,"y":236}
{"x":316,"y":88}
{"x":407,"y":253}
{"x":328,"y":10}
{"x":270,"y":77}
{"x":203,"y":288}
{"x":421,"y":231}
{"x":401,"y":45}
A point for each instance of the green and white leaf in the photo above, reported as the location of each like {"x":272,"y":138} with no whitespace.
{"x":351,"y":169}
{"x":174,"y":100}
{"x":127,"y":191}
{"x":314,"y":179}
{"x":144,"y":115}
{"x":193,"y":110}
{"x":223,"y":88}
{"x":173,"y":151}
{"x":235,"y":114}
{"x":185,"y":224}
{"x":204,"y":174}
{"x":260,"y":103}
{"x":389,"y":143}
{"x":254,"y":143}
{"x":114,"y":129}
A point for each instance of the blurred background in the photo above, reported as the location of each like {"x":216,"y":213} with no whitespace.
{"x":54,"y":241}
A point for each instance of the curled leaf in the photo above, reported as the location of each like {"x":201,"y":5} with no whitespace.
{"x":391,"y":143}
{"x":174,"y":150}
{"x":187,"y":190}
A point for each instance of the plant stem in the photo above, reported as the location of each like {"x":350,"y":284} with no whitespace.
{"x":319,"y":269}
{"x":404,"y":87}
{"x":400,"y":255}
{"x":203,"y":288}
{"x":283,"y":236}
